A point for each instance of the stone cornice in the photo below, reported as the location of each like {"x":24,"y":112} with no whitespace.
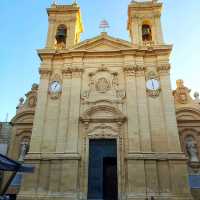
{"x":140,"y":51}
{"x":52,"y":156}
{"x":156,"y":156}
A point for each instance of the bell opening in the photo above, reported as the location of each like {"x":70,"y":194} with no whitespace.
{"x":146,"y":33}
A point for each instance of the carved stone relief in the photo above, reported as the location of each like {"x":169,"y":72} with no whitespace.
{"x":103,"y":84}
{"x":182,"y":93}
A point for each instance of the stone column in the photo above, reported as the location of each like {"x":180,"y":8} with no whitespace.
{"x":74,"y":112}
{"x":132,"y":110}
{"x":143,"y":111}
{"x":39,"y":118}
{"x":169,"y":110}
{"x":64,"y":110}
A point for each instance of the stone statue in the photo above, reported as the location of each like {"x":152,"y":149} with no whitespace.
{"x":192,"y":150}
{"x":196,"y":96}
{"x":21,"y":104}
{"x":23,"y":150}
{"x":181,"y":93}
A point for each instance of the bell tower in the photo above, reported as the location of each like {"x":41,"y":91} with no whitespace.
{"x":144,"y":23}
{"x":65,"y":26}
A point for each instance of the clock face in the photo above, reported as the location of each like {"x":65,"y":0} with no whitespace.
{"x":153,"y":84}
{"x":55,"y":87}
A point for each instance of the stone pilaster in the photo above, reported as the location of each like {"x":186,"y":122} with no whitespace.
{"x":169,"y":110}
{"x":143,"y":110}
{"x":64,"y":112}
{"x":74,"y":112}
{"x":40,"y":112}
{"x":132,"y":110}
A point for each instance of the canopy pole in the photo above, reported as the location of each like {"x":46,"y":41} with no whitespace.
{"x":10,"y":181}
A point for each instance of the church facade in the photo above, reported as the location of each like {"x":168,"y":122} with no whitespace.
{"x":102,"y":123}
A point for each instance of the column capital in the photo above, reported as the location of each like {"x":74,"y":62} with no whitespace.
{"x":45,"y":73}
{"x":72,"y":72}
{"x":163,"y":69}
{"x":130,"y":70}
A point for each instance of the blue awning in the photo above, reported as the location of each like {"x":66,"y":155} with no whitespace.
{"x":7,"y":164}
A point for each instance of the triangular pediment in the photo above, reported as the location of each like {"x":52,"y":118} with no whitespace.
{"x":103,"y":43}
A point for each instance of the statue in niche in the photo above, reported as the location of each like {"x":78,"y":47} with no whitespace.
{"x":191,"y":148}
{"x":24,"y":148}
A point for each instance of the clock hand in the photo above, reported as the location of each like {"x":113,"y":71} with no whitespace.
{"x":152,"y":84}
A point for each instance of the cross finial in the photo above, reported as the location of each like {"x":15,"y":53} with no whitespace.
{"x":104,"y":25}
{"x":54,"y":2}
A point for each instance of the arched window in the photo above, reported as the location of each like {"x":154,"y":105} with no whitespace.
{"x":191,"y":148}
{"x":146,"y":33}
{"x":61,"y":36}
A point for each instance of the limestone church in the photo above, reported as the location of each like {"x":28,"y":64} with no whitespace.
{"x":102,"y":123}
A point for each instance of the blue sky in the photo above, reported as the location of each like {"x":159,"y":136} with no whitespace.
{"x":24,"y":28}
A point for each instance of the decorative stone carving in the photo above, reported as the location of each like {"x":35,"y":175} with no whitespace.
{"x":32,"y":96}
{"x":45,"y":73}
{"x":102,"y":85}
{"x":115,"y":81}
{"x":130,"y":70}
{"x":181,"y":94}
{"x":102,"y":114}
{"x":121,"y":94}
{"x":163,"y":69}
{"x":72,"y":71}
{"x":191,"y":148}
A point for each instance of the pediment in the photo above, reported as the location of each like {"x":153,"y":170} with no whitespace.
{"x":103,"y":43}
